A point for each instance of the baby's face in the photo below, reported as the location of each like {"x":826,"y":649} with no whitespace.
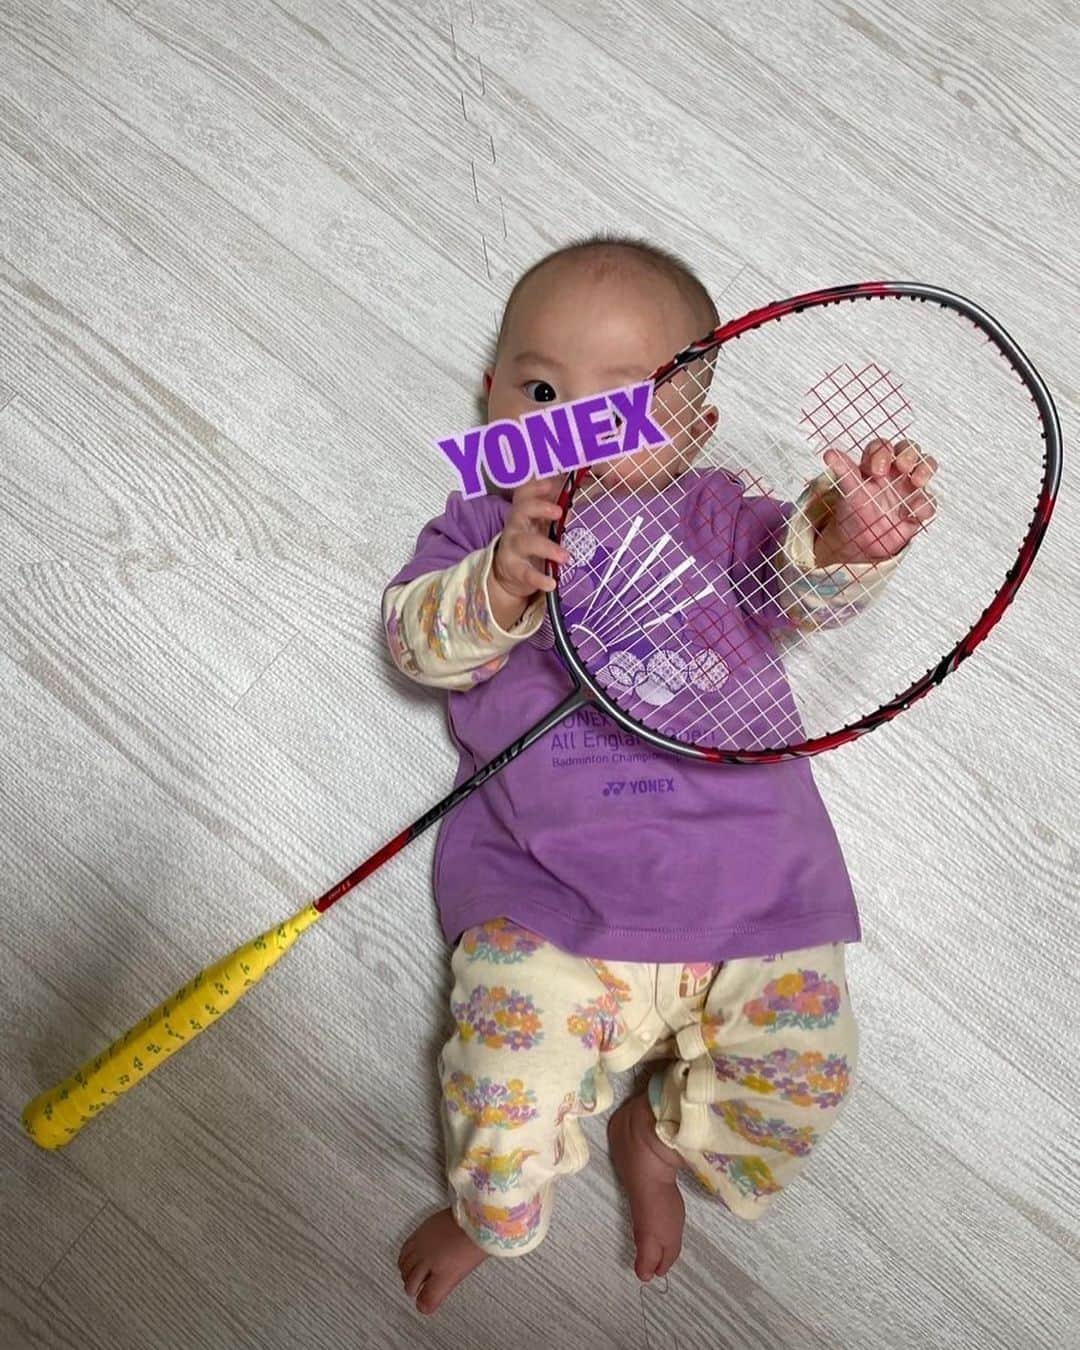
{"x":571,"y":334}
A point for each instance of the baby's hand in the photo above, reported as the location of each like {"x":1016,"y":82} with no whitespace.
{"x":883,"y":502}
{"x":524,"y":542}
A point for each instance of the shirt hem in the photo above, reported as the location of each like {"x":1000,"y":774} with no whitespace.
{"x":624,"y":943}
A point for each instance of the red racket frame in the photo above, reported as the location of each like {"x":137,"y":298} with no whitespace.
{"x":1051,"y":435}
{"x":586,"y":691}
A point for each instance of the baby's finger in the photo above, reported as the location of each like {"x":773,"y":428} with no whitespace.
{"x":540,"y":508}
{"x":520,"y":577}
{"x":905,"y":455}
{"x":911,"y":460}
{"x":536,"y":490}
{"x":917,"y":505}
{"x":524,"y":546}
{"x":845,"y":469}
{"x":920,"y":473}
{"x":546,"y":489}
{"x":925,"y":508}
{"x":532,"y":505}
{"x":876,"y":458}
{"x":537,"y":580}
{"x":548,"y":548}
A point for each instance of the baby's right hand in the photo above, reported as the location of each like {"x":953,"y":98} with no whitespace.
{"x":524,"y":542}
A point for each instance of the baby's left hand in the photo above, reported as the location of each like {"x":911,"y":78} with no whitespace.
{"x":883,"y":502}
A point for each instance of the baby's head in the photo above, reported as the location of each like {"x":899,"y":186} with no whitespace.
{"x":597,"y":315}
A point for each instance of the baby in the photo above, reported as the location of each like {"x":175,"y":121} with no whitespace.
{"x":704,"y":927}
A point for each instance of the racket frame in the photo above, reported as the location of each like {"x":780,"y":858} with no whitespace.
{"x":775,"y":310}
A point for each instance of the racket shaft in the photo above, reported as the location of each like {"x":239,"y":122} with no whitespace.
{"x":552,"y":719}
{"x":56,"y":1116}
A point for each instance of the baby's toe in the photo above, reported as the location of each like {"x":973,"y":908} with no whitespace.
{"x":415,"y":1276}
{"x":435,"y":1291}
{"x":670,"y":1256}
{"x":650,"y":1253}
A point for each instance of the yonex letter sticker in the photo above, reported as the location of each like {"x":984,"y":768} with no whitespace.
{"x":553,"y":440}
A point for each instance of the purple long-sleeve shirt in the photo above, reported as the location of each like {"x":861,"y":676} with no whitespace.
{"x":593,"y":839}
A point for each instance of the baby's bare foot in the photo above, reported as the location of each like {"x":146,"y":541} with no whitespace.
{"x":647,"y":1169}
{"x":436,"y":1258}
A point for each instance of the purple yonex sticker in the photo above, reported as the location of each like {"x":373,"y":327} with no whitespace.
{"x":553,"y":440}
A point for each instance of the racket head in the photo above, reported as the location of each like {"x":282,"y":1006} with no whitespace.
{"x":671,"y":613}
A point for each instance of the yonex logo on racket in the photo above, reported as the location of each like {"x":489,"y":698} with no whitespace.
{"x":554,"y":440}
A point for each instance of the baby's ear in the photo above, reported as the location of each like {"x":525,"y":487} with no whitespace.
{"x":488,"y":375}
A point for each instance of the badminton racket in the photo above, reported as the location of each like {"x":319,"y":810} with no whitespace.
{"x":781,"y":576}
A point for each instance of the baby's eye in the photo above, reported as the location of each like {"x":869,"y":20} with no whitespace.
{"x":544,"y":392}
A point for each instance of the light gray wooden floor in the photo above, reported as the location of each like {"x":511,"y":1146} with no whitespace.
{"x":246,"y":250}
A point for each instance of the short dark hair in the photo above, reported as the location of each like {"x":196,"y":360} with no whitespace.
{"x":616,"y":250}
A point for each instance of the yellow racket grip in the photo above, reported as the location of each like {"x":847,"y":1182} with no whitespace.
{"x":56,"y":1116}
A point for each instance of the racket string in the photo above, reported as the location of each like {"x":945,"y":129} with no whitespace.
{"x":681,"y":605}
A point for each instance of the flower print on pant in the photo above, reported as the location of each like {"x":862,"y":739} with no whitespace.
{"x":751,"y":1124}
{"x":493,"y":1226}
{"x":491,"y":1171}
{"x":499,"y":1017}
{"x":801,"y":998}
{"x":598,"y":1023}
{"x":749,"y":1175}
{"x":500,"y":941}
{"x":805,"y":1078}
{"x":507,"y":1105}
{"x":582,"y":1102}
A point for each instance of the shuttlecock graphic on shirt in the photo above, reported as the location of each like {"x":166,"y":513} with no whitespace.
{"x":580,"y":542}
{"x":625,"y":601}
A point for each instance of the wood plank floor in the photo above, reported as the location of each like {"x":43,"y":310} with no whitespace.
{"x":241,"y":244}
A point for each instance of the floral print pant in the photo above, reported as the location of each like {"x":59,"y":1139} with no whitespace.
{"x":764,"y":1053}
